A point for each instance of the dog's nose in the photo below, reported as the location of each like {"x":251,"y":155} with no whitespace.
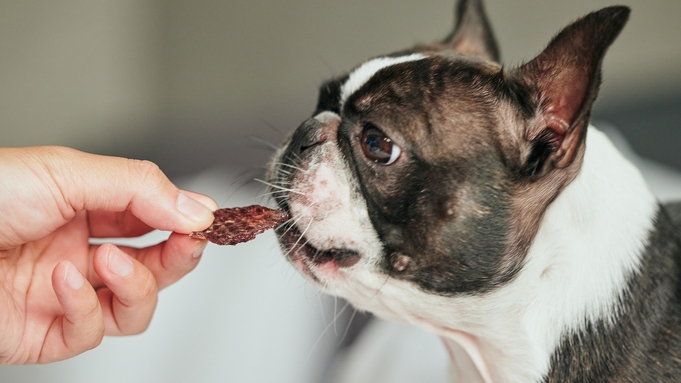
{"x":316,"y":130}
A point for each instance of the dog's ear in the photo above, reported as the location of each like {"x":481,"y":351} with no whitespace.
{"x":472,"y":33}
{"x":563,"y":81}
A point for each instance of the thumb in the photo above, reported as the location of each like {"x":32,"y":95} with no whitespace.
{"x":95,"y":182}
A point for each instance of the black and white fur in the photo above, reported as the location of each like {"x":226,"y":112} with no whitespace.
{"x":497,"y":217}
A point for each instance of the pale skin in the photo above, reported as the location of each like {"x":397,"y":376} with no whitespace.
{"x":59,"y":294}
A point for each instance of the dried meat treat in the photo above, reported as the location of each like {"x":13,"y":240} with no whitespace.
{"x":241,"y":224}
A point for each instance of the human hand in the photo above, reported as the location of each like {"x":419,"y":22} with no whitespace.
{"x":58,"y":293}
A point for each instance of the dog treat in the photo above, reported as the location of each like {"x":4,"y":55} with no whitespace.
{"x":241,"y":224}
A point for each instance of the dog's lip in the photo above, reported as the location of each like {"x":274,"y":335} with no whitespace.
{"x":300,"y":250}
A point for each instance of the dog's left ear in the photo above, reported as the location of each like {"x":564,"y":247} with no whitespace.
{"x":564,"y":81}
{"x":472,"y":33}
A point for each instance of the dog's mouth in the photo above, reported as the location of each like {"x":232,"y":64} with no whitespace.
{"x":306,"y":257}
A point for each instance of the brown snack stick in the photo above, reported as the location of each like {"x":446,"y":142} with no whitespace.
{"x":240,"y":224}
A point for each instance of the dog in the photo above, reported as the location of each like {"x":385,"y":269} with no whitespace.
{"x":435,"y":187}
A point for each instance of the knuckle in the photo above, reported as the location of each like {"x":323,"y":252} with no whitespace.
{"x":58,"y":152}
{"x":150,"y":289}
{"x":93,"y":312}
{"x":143,"y":308}
{"x":146,"y":178}
{"x":149,"y":294}
{"x":97,"y":326}
{"x":147,"y":170}
{"x":97,"y":338}
{"x":89,"y":333}
{"x":140,"y":327}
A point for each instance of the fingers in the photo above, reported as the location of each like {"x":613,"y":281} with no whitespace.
{"x":125,"y":303}
{"x":131,"y":293}
{"x":92,"y":182}
{"x":81,"y":327}
{"x":131,"y":279}
{"x":171,"y":260}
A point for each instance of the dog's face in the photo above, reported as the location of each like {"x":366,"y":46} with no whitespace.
{"x":427,"y":172}
{"x":412,"y":169}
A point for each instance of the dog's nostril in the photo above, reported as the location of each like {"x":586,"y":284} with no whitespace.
{"x":312,"y":138}
{"x":306,"y":146}
{"x":315,"y":131}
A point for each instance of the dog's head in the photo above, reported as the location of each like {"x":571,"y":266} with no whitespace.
{"x":430,"y":169}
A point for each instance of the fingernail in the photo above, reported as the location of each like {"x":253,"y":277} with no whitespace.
{"x":199,"y":252}
{"x":119,"y":263}
{"x":72,"y":277}
{"x":193,"y":209}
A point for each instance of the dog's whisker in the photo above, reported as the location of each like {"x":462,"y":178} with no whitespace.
{"x":290,"y":225}
{"x":278,"y":187}
{"x":246,"y":173}
{"x":335,"y":309}
{"x":292,"y":167}
{"x":272,"y":193}
{"x":292,"y":222}
{"x":282,"y":183}
{"x":279,"y":191}
{"x":279,"y":167}
{"x":347,"y":328}
{"x":264,"y":142}
{"x":321,"y":306}
{"x":298,"y":240}
{"x":272,"y":127}
{"x":326,"y":329}
{"x":378,"y":290}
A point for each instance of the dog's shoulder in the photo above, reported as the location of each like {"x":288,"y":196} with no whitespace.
{"x":671,"y":343}
{"x":651,"y":322}
{"x":674,"y":211}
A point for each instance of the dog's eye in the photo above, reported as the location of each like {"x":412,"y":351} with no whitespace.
{"x":378,"y":147}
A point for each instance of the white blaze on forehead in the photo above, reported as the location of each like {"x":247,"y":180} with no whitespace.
{"x":367,"y":70}
{"x":326,"y":117}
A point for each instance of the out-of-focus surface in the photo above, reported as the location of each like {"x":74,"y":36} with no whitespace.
{"x":196,"y":85}
{"x":188,"y":83}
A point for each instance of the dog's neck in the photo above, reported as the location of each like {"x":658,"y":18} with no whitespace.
{"x":590,"y":241}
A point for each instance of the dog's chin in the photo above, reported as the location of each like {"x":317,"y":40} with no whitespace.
{"x":320,"y":265}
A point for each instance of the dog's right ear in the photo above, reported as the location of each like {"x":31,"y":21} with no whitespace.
{"x":472,"y":33}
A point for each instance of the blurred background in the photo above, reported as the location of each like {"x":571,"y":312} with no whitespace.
{"x":195,"y":84}
{"x":205,"y":88}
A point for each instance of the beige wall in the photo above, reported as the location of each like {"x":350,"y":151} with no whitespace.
{"x":78,"y":72}
{"x":98,"y":74}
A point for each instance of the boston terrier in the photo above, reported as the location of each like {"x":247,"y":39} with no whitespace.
{"x":436,"y":187}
